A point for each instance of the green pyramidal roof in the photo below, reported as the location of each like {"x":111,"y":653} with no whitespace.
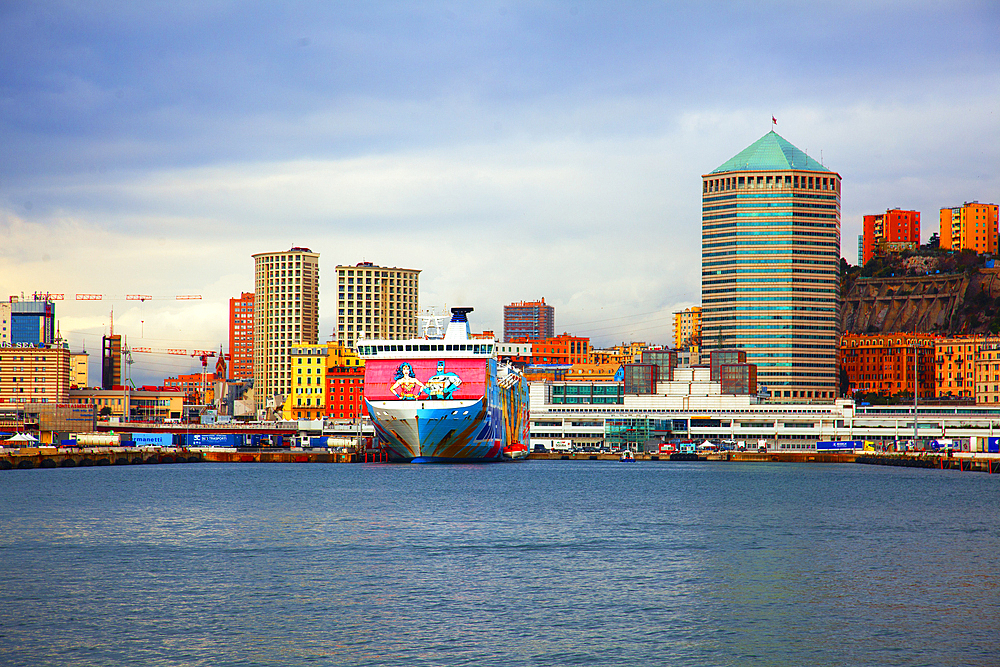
{"x":770,"y":152}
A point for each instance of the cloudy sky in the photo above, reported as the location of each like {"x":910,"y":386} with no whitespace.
{"x":510,"y":150}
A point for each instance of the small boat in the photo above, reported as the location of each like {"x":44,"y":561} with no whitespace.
{"x":515,"y":451}
{"x":626,"y":456}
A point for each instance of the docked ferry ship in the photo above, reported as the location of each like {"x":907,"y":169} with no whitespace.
{"x":444,"y":397}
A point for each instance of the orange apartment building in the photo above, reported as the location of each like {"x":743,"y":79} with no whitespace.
{"x":891,"y":232}
{"x":956,"y":365}
{"x":563,"y":349}
{"x":883,"y":363}
{"x":972,"y":226}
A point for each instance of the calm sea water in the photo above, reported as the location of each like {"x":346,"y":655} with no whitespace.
{"x":536,"y":563}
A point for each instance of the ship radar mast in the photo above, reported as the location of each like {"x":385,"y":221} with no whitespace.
{"x":432,"y":323}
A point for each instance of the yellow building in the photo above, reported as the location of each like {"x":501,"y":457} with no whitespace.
{"x":592,"y":372}
{"x":619,"y":354}
{"x":79,"y":369}
{"x":311,"y":364}
{"x":687,"y":327}
{"x":972,"y":226}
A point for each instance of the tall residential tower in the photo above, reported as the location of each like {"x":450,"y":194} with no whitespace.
{"x":241,"y":337}
{"x":531,"y":320}
{"x":285,"y":312}
{"x":376,"y":302}
{"x":771,"y":266}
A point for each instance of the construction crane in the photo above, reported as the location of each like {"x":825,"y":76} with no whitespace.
{"x":174,"y":350}
{"x":128,"y":297}
{"x":204,"y":356}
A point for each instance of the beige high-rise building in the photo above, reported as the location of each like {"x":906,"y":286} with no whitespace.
{"x":34,"y":374}
{"x":376,"y":302}
{"x":79,"y":370}
{"x":771,"y":266}
{"x":285,"y":312}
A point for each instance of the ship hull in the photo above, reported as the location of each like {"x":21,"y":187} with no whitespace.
{"x":473,"y":428}
{"x":436,"y":431}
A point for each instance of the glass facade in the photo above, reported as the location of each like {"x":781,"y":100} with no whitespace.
{"x":588,"y":393}
{"x":771,"y":266}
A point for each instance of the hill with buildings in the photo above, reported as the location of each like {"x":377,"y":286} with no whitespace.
{"x":922,"y":291}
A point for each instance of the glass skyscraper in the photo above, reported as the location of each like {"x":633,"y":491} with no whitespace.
{"x":771,"y":266}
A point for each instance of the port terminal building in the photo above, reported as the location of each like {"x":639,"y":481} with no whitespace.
{"x":693,"y":406}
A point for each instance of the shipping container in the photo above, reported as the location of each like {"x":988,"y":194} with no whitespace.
{"x":153,"y":439}
{"x":212,"y":439}
{"x":942,"y":443}
{"x":265,"y":440}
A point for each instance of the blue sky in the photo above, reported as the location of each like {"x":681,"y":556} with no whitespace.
{"x":509,"y":150}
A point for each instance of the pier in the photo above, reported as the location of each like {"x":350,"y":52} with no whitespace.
{"x":50,"y":457}
{"x":963,"y":461}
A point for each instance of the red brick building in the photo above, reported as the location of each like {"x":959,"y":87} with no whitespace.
{"x":345,"y":381}
{"x":241,"y":337}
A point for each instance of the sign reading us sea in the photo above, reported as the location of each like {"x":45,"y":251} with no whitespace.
{"x":425,"y":379}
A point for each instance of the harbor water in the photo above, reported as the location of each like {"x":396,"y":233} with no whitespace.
{"x":533,"y":563}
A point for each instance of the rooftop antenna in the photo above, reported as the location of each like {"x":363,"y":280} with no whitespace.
{"x":821,"y":156}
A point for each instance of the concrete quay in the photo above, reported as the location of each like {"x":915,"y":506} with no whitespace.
{"x":49,"y":457}
{"x":961,"y":461}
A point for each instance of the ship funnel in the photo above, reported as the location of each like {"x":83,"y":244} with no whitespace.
{"x":459,"y":325}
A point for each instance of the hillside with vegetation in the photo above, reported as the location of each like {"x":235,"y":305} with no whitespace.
{"x":927,"y":290}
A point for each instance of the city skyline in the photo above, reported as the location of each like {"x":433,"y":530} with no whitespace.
{"x":568,"y":140}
